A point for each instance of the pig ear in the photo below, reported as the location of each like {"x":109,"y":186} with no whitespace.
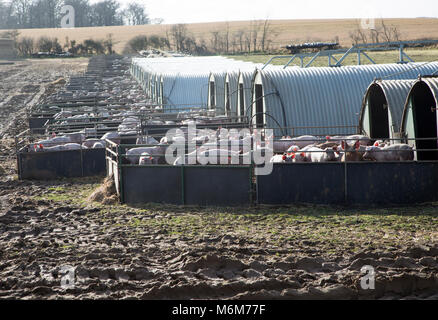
{"x":343,"y":145}
{"x":357,"y":145}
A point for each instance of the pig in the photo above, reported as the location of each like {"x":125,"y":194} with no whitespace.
{"x":65,"y":147}
{"x":133,"y":155}
{"x":351,"y":152}
{"x":395,"y":152}
{"x":328,"y":144}
{"x":304,"y":141}
{"x":319,"y":155}
{"x":217,"y":156}
{"x":363,"y":140}
{"x":281,"y":146}
{"x":112,"y":136}
{"x":73,"y":146}
{"x":98,"y":145}
{"x":301,"y":155}
{"x":148,"y":140}
{"x":89,"y":143}
{"x":56,"y":141}
{"x":285,"y":158}
{"x":145,"y":159}
{"x":76,"y":137}
{"x":42,"y":148}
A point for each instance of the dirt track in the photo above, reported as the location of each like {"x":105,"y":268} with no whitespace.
{"x":159,"y":252}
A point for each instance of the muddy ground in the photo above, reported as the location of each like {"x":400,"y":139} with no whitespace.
{"x":170,"y":252}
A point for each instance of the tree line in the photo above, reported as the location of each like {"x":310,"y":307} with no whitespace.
{"x":24,"y":14}
{"x":258,"y":38}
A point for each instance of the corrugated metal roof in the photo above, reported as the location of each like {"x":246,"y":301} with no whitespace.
{"x":246,"y":79}
{"x":432,"y":83}
{"x":231,"y":80}
{"x":396,"y":92}
{"x":219,"y":90}
{"x":325,"y":97}
{"x":184,"y":90}
{"x":193,"y":70}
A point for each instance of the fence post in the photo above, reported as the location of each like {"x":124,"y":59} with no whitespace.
{"x":119,"y":169}
{"x":345,"y":181}
{"x":183,"y":193}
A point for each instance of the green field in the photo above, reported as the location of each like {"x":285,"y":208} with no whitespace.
{"x":418,"y":55}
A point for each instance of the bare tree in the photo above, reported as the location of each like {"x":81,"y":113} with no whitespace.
{"x":214,"y":40}
{"x":255,"y":26}
{"x":227,"y":37}
{"x":25,"y":46}
{"x":265,"y":34}
{"x":135,"y":14}
{"x":179,"y":34}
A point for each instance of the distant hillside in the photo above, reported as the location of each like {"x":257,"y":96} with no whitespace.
{"x":282,"y":32}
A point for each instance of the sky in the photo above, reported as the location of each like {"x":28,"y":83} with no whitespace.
{"x":193,"y":11}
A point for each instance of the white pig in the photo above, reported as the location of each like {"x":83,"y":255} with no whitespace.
{"x":395,"y":152}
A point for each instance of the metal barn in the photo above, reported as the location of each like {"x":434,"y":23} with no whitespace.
{"x":244,"y":92}
{"x":419,"y":119}
{"x":382,"y":108}
{"x":320,"y":101}
{"x":231,"y":93}
{"x":180,"y":79}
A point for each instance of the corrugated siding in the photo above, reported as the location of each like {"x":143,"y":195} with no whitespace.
{"x":191,"y":69}
{"x":183,"y":91}
{"x":326,"y":97}
{"x":396,"y":92}
{"x":432,"y":83}
{"x":219,"y":83}
{"x":233,"y":78}
{"x":246,"y":77}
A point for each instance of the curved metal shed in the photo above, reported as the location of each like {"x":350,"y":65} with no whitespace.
{"x":190,"y":67}
{"x":216,"y":91}
{"x":382,"y":108}
{"x":419,"y":119}
{"x":320,"y":101}
{"x":244,"y":98}
{"x":231,"y":93}
{"x":182,"y":91}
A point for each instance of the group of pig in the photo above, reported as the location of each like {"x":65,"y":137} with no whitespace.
{"x":339,"y":149}
{"x":286,"y":150}
{"x":69,"y":141}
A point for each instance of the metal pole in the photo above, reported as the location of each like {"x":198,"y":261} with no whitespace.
{"x":401,"y":54}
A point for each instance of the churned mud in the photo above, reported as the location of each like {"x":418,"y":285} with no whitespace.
{"x":161,"y":252}
{"x":171,"y":252}
{"x":27,"y":82}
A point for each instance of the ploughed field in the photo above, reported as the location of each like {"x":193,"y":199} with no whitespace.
{"x":169,"y":252}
